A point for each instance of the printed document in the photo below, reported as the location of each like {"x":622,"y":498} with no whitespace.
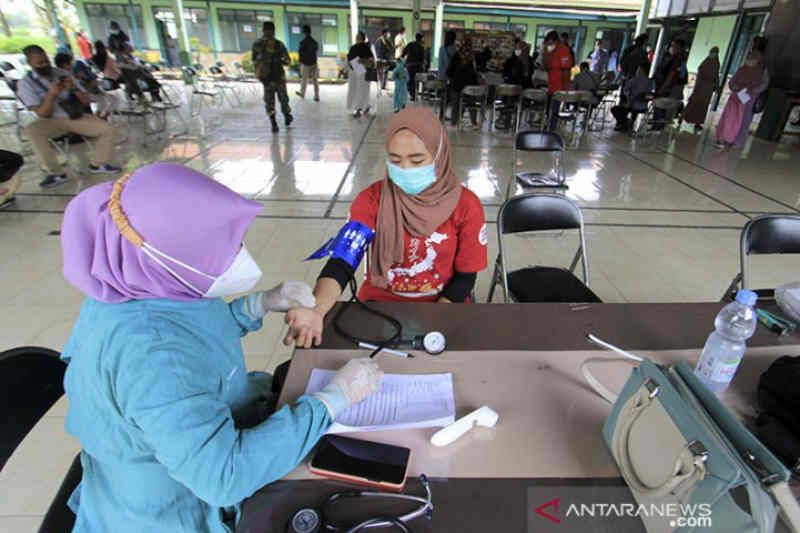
{"x":403,"y":401}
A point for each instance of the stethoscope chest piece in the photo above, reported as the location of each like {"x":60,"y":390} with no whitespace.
{"x":305,"y":521}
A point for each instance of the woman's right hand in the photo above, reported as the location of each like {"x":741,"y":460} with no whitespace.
{"x":351,"y":384}
{"x":305,"y":327}
{"x":358,"y":379}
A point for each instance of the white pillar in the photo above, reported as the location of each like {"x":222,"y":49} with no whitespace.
{"x":416,"y":11}
{"x":438,"y":23}
{"x":353,"y":20}
{"x":183,"y":35}
{"x":644,"y":17}
{"x":657,"y":52}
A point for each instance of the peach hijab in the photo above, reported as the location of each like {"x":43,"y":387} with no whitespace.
{"x":419,"y":214}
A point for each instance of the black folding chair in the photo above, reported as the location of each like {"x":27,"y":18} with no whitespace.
{"x":541,"y":212}
{"x":541,"y":142}
{"x":59,"y":517}
{"x":31,"y":381}
{"x":767,"y":234}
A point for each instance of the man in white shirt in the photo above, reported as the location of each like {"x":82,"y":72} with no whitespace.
{"x":61,"y":107}
{"x":399,"y":43}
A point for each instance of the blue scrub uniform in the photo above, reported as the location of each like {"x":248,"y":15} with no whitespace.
{"x":159,"y":399}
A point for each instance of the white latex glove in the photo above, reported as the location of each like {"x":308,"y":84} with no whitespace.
{"x":358,"y":378}
{"x":287,"y":295}
{"x":352,"y":383}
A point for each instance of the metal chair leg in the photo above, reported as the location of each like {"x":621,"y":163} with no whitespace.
{"x":495,"y":280}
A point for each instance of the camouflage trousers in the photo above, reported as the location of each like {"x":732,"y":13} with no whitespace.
{"x":271,"y":88}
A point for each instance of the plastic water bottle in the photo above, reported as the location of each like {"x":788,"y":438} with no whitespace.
{"x":725,"y":346}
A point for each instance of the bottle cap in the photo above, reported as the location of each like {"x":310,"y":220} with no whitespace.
{"x":746,"y":297}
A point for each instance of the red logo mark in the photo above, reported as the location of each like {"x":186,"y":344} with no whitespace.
{"x":544,"y":514}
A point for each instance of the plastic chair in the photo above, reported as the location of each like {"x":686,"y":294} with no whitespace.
{"x":533,"y":101}
{"x":600,"y":114}
{"x":539,"y":141}
{"x":63,"y":144}
{"x":472,"y":98}
{"x":432,"y":91}
{"x":573,"y":105}
{"x":31,"y":381}
{"x":668,"y":107}
{"x":6,"y":69}
{"x":507,"y":102}
{"x":533,"y":213}
{"x":767,"y":234}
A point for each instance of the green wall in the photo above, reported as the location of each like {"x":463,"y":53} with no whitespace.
{"x":711,"y":31}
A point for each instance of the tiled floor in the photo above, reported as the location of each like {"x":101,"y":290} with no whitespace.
{"x":662,"y":225}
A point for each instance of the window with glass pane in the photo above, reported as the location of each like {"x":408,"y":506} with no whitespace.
{"x":227,"y":30}
{"x":99,"y":15}
{"x":373,"y":26}
{"x":248,"y":28}
{"x":323,"y":30}
{"x":195,"y":19}
{"x":576,"y":34}
{"x":239,"y":28}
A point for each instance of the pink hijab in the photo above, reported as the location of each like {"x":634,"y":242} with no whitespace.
{"x":177,"y":210}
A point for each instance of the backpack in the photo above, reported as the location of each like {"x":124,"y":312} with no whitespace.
{"x":778,"y":423}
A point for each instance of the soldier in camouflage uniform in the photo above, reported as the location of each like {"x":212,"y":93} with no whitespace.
{"x":269,"y":57}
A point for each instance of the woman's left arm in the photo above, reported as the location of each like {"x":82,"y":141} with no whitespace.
{"x":458,"y":288}
{"x":471,"y":253}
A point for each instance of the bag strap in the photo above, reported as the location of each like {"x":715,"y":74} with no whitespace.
{"x":689,"y":466}
{"x":790,"y":509}
{"x":35,"y":80}
{"x":593,"y":382}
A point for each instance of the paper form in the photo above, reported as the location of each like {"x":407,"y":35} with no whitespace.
{"x":403,"y":401}
{"x":744,"y":96}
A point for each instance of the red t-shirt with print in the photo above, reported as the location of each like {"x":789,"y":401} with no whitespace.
{"x":457,"y":245}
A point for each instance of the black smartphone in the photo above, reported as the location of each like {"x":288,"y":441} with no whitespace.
{"x":363,"y":462}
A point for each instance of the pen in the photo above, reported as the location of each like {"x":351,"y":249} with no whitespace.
{"x":389,"y":351}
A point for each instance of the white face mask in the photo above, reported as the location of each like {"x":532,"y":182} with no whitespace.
{"x":517,"y":52}
{"x":551,"y":47}
{"x":241,"y":276}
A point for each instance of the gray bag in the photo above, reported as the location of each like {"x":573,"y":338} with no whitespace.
{"x":676,"y":444}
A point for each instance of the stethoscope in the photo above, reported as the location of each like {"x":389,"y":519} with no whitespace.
{"x":310,"y":520}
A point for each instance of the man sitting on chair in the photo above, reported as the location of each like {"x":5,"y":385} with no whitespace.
{"x":60,"y":107}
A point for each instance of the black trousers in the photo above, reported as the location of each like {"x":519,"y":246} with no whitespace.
{"x":131,"y":79}
{"x":384,"y":66}
{"x":554,"y":107}
{"x":413,"y":70}
{"x":621,"y":113}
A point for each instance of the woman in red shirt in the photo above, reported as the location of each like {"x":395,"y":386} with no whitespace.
{"x":430,"y":231}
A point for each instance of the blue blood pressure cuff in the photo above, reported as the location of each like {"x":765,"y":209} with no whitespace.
{"x":349,"y":245}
